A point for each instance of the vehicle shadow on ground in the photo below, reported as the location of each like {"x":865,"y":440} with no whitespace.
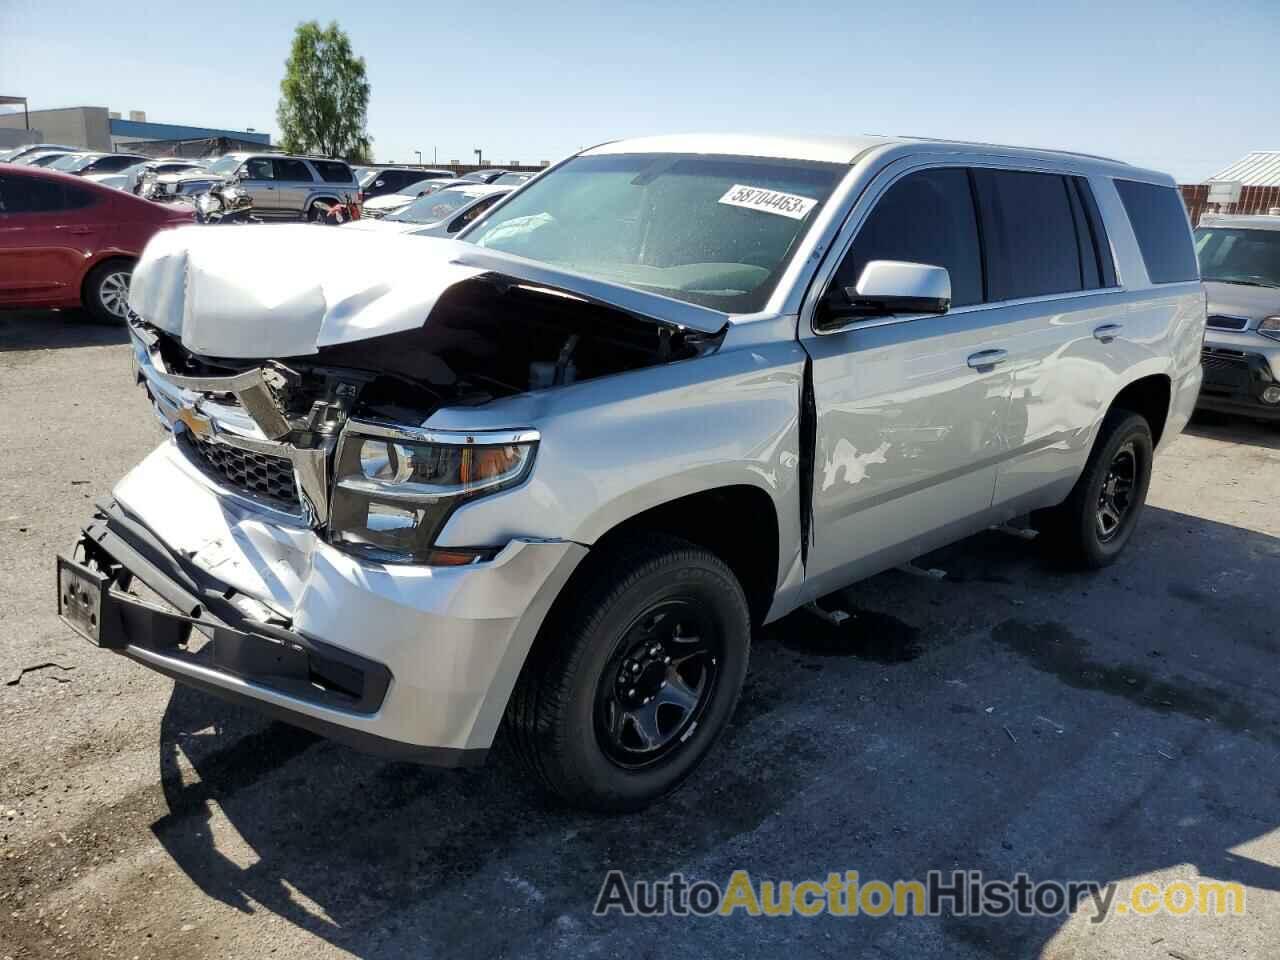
{"x":55,"y":329}
{"x":1010,"y":717}
{"x":1229,"y":429}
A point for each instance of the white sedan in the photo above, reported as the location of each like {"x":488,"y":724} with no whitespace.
{"x":440,"y":213}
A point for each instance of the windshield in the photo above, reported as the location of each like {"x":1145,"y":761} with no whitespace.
{"x":1228,"y":255}
{"x":712,"y":230}
{"x":225,"y":166}
{"x":434,"y":207}
{"x":70,"y":161}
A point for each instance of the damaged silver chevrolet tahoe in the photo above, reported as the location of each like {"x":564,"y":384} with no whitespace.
{"x":547,"y":477}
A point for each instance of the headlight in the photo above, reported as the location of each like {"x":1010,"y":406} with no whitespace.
{"x":207,"y":203}
{"x":394,"y":488}
{"x":1270,"y":327}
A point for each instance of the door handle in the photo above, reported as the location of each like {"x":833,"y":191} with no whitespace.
{"x":80,"y":231}
{"x":1108,"y":332}
{"x":985,"y":360}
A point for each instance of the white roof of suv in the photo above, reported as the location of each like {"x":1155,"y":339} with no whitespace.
{"x":840,"y":149}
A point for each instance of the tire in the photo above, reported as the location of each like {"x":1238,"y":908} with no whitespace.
{"x":319,"y":211}
{"x":1093,"y":525}
{"x":594,"y":741}
{"x":106,"y":290}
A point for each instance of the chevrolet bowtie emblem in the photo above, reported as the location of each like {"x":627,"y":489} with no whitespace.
{"x":199,"y":425}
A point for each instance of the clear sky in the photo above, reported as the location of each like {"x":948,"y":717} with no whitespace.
{"x":1183,"y":87}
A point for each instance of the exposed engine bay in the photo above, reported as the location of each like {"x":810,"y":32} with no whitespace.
{"x":487,"y":337}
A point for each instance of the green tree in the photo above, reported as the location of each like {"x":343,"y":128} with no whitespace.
{"x":324,"y":96}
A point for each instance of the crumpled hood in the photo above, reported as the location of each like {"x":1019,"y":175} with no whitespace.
{"x":1242,"y":300}
{"x":258,"y":291}
{"x":278,"y":291}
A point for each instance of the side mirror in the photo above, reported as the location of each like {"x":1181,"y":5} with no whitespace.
{"x":888,"y":287}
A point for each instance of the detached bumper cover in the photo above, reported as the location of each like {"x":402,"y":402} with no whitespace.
{"x":411,"y":663}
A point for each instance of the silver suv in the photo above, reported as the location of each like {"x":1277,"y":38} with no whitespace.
{"x":281,"y":187}
{"x":548,"y":478}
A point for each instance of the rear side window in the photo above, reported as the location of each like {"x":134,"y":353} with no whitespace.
{"x":1160,"y":223}
{"x":332,"y":171}
{"x":292,"y":170}
{"x":1029,"y":231}
{"x":926,"y":217}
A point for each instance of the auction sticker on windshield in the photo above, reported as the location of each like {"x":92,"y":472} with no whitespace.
{"x":770,"y":201}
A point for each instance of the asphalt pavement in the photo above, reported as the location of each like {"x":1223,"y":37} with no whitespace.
{"x":1121,"y":726}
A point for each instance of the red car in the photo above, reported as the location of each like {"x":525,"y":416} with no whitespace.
{"x":68,"y":242}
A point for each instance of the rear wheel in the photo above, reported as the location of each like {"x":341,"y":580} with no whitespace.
{"x":1094,"y":524}
{"x":106,"y":291}
{"x":633,"y":680}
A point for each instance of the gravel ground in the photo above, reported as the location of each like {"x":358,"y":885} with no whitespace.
{"x":1120,"y":726}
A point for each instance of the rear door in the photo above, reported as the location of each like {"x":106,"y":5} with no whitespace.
{"x":47,"y":232}
{"x":909,"y":409}
{"x":294,"y":184}
{"x":1051,"y":287}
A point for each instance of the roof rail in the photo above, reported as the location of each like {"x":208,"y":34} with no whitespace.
{"x":1010,"y":146}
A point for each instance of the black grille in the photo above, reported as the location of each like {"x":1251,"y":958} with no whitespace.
{"x":1221,"y":322}
{"x":1223,"y":361}
{"x":259,"y":474}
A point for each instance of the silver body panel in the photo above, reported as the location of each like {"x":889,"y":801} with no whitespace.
{"x":914,"y":446}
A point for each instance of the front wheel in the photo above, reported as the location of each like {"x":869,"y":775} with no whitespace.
{"x":1094,"y":524}
{"x":106,"y":291}
{"x":633,"y":680}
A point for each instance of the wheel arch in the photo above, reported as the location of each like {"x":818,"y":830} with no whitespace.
{"x":1151,"y":397}
{"x":109,"y":256}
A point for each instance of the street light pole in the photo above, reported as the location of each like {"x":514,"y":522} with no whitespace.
{"x":419,"y":153}
{"x":479,"y":158}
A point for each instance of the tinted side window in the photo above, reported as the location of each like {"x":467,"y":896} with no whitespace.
{"x":112,"y":164}
{"x":76,"y":199}
{"x":30,"y":195}
{"x":1029,"y":234}
{"x":259,"y":168}
{"x":1160,"y":224}
{"x":332,"y":171}
{"x":292,"y":170}
{"x":926,"y":217}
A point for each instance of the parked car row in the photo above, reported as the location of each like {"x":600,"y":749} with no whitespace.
{"x":436,"y":213}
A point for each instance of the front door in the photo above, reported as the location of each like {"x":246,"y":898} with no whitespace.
{"x":910,"y":410}
{"x":260,"y":183}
